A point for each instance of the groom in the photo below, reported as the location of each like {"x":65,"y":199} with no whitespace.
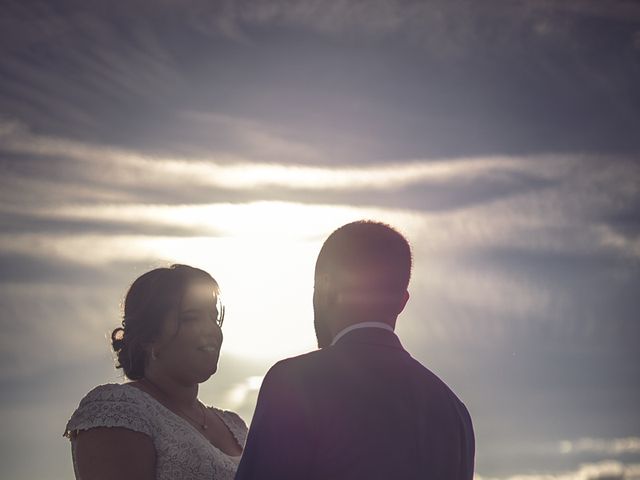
{"x":360,"y":407}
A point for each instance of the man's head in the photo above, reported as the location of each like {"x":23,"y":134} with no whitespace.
{"x":362,"y":274}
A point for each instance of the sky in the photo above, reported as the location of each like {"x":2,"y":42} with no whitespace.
{"x":501,"y":137}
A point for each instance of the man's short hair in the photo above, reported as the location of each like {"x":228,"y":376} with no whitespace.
{"x":366,"y":256}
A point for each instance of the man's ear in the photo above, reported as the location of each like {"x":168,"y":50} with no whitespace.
{"x":324,"y":291}
{"x":403,"y":301}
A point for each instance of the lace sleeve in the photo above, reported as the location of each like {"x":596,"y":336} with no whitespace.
{"x":109,"y":406}
{"x":237,"y":426}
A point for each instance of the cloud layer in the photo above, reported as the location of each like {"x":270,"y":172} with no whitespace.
{"x":357,"y":80}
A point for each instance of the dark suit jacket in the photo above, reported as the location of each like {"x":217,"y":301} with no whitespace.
{"x":361,"y":409}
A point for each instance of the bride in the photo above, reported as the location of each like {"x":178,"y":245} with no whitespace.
{"x":154,"y":426}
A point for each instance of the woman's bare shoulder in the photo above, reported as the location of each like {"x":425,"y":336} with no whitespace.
{"x":114,"y":452}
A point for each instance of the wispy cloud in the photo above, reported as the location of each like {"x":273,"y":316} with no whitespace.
{"x":131,"y":84}
{"x":614,"y":446}
{"x":46,"y":327}
{"x":438,"y":23}
{"x":564,"y":191}
{"x":445,"y":28}
{"x":606,"y":470}
{"x":234,"y":172}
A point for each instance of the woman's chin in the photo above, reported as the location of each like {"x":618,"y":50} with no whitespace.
{"x":203,"y":376}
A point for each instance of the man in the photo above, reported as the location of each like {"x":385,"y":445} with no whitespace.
{"x":360,"y":407}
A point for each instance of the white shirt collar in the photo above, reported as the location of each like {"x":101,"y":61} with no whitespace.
{"x":357,"y":326}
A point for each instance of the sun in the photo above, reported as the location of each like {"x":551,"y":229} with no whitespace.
{"x":263,"y":256}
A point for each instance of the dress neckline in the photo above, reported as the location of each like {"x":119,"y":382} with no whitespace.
{"x":215,"y":410}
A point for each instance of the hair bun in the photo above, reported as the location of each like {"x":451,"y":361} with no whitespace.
{"x":117,"y":339}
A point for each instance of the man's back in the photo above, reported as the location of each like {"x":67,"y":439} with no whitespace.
{"x":361,"y":409}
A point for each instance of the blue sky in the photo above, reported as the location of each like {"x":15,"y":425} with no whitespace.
{"x":501,"y":137}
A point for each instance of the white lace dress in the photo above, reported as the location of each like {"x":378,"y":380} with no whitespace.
{"x":181,"y":451}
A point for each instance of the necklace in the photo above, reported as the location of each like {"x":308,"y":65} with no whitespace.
{"x":203,"y":425}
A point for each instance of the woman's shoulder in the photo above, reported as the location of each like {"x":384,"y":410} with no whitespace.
{"x":110,"y":405}
{"x":234,"y":422}
{"x":114,"y":392}
{"x":229,"y":415}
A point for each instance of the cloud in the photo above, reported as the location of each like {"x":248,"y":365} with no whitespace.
{"x":519,"y":225}
{"x":542,"y":78}
{"x":439,"y":23}
{"x":240,"y":173}
{"x":636,"y":40}
{"x":270,"y":219}
{"x":560,"y":186}
{"x":254,"y":139}
{"x":49,"y":325}
{"x":444,"y":28}
{"x":606,"y":470}
{"x":621,"y":10}
{"x":615,"y":446}
{"x":629,"y":244}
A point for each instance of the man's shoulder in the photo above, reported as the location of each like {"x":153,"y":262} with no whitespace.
{"x":436,"y":387}
{"x":299,"y":362}
{"x":301,"y":369}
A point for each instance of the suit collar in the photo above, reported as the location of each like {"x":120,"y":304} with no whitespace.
{"x":357,"y":326}
{"x":370,"y":336}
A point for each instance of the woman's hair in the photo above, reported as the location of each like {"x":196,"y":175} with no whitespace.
{"x":149,"y":299}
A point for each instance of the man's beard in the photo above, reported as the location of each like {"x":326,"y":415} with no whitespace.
{"x":323,"y":335}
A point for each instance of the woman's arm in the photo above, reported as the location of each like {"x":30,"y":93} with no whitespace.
{"x":114,"y":453}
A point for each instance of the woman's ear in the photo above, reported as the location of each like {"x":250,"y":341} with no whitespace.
{"x":151,"y":351}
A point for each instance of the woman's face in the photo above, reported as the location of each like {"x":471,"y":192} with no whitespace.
{"x":191,"y":354}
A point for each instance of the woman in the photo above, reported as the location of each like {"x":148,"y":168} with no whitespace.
{"x":154,"y":427}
